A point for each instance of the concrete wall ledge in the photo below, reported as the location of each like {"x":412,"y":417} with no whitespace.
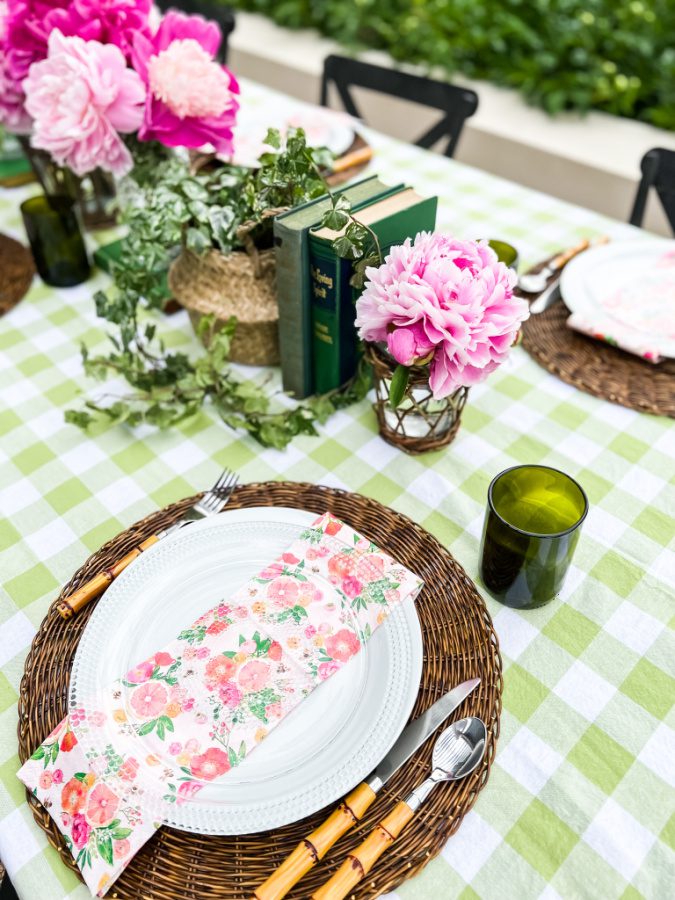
{"x":593,"y":161}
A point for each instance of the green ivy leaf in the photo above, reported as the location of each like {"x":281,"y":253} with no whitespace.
{"x":398,"y":385}
{"x":104,"y":845}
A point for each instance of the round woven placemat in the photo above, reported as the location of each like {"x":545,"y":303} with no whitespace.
{"x":596,"y":367}
{"x":16,"y":272}
{"x":459,"y":643}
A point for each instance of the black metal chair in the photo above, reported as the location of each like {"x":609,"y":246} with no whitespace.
{"x":7,"y":892}
{"x":456,"y":103}
{"x":210,"y":9}
{"x":658,"y":171}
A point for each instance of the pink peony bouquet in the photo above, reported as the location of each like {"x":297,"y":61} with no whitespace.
{"x":79,"y":75}
{"x":443,"y":302}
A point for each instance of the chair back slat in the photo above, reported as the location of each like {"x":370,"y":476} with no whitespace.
{"x":658,"y":172}
{"x":456,"y":103}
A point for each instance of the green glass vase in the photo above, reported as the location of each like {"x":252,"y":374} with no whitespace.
{"x":531,"y":529}
{"x":53,"y":230}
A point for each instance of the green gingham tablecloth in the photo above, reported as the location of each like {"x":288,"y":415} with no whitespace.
{"x":581,"y":799}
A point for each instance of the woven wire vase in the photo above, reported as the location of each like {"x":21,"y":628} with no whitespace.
{"x":420,"y":423}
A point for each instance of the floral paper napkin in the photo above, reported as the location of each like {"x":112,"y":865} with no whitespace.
{"x":201,"y":704}
{"x":638,"y":317}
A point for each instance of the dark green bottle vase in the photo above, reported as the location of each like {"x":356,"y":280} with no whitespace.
{"x":531,"y":529}
{"x":53,"y":230}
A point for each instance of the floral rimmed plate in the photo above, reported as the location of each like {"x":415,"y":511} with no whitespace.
{"x":322,"y":748}
{"x":624,"y":293}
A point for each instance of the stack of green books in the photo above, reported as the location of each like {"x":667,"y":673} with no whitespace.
{"x":317,"y":339}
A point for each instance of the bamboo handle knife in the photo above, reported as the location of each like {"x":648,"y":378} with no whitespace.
{"x":357,"y":865}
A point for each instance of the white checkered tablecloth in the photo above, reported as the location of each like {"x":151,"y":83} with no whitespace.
{"x":581,"y":800}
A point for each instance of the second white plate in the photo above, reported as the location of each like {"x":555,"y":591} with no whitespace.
{"x":326,"y":745}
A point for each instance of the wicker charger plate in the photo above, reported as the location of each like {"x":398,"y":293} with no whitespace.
{"x":598,"y":368}
{"x":16,"y":272}
{"x":459,"y":643}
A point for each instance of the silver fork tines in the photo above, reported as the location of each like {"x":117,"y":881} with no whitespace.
{"x":210,"y":503}
{"x":213,"y":500}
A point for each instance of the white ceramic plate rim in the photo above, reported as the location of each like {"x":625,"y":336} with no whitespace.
{"x":573,"y":281}
{"x":404,"y":645}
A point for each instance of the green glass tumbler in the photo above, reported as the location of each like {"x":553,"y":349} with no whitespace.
{"x":55,"y":237}
{"x":532,"y":526}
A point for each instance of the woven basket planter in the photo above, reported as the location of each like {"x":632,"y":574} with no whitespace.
{"x":419,"y":424}
{"x":240,"y":285}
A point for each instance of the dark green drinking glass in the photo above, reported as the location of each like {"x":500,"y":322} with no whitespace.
{"x":532,"y":525}
{"x":53,"y":230}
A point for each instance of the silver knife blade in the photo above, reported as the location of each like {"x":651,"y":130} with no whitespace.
{"x":414,"y":735}
{"x":547,"y":298}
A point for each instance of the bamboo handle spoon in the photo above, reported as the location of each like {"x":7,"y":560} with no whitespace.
{"x":534,"y":282}
{"x":457,"y":752}
{"x":355,"y":805}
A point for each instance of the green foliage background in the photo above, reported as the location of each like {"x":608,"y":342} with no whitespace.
{"x":612,"y":55}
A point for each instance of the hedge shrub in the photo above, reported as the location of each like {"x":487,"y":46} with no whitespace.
{"x":612,"y":55}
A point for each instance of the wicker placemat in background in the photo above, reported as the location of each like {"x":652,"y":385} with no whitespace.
{"x":597,"y":367}
{"x":459,"y":643}
{"x":16,"y":272}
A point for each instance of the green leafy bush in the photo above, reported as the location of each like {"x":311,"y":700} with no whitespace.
{"x":613,"y":55}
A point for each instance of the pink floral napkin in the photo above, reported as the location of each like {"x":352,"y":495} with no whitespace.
{"x":210,"y":696}
{"x":638,"y":317}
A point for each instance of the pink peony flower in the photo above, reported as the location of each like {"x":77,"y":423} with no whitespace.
{"x":283,"y":591}
{"x":275,"y":651}
{"x":128,"y":769}
{"x":80,"y":97}
{"x":28,"y":26}
{"x":352,"y":587}
{"x":230,"y":694}
{"x":121,"y":848}
{"x":326,"y":669}
{"x":140,"y":673}
{"x":342,"y":645}
{"x":12,"y":112}
{"x":210,"y":765}
{"x":219,"y":670}
{"x":57,"y":776}
{"x":271,"y":571}
{"x":445,"y":298}
{"x":190,"y":98}
{"x":254,"y":675}
{"x":81,"y":831}
{"x":102,"y":805}
{"x":187,"y":790}
{"x":149,"y":700}
{"x":163,"y":659}
{"x":108,"y":21}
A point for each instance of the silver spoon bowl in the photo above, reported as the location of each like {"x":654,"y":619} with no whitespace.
{"x":457,"y":752}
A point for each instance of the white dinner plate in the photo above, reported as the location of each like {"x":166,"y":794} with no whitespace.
{"x":322,"y":127}
{"x":629,"y":282}
{"x":325,"y":746}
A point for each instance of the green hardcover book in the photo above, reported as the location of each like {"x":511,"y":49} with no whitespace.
{"x":107,"y":254}
{"x":334,"y":342}
{"x":293,"y":289}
